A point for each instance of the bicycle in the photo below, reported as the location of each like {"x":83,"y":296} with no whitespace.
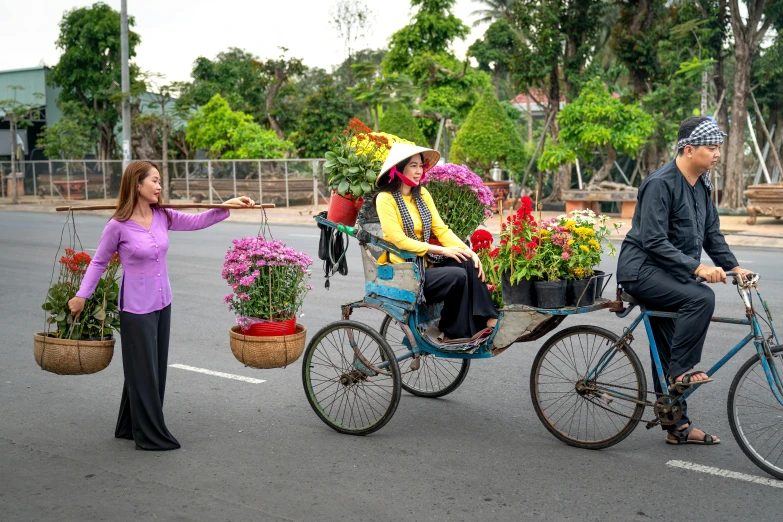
{"x":590,"y":391}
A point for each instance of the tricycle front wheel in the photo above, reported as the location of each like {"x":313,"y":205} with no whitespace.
{"x":588,"y":391}
{"x":427,"y":376}
{"x":351,"y":378}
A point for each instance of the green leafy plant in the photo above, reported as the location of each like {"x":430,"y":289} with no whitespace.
{"x":397,"y":119}
{"x":100,"y":315}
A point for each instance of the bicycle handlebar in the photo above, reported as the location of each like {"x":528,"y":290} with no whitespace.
{"x":729,"y":273}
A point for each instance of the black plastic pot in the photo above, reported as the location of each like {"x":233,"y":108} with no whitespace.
{"x":601,"y":281}
{"x":521,"y":293}
{"x":580,"y":292}
{"x":551,"y":294}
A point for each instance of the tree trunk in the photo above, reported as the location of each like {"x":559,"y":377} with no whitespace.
{"x":280,"y":78}
{"x":375,"y":118}
{"x":720,"y":84}
{"x":562,"y":178}
{"x":14,"y":191}
{"x":165,"y":161}
{"x":496,"y":83}
{"x":606,"y":168}
{"x":529,"y":121}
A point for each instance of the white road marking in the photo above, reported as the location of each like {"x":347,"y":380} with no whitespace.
{"x":304,"y":235}
{"x":725,"y":473}
{"x":217,"y":374}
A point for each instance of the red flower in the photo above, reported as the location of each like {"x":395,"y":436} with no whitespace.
{"x":357,"y":126}
{"x":481,"y":239}
{"x":516,"y":249}
{"x":490,"y":287}
{"x":495,"y":253}
{"x":526,"y":204}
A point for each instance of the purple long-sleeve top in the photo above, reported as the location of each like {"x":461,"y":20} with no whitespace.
{"x":145,"y":278}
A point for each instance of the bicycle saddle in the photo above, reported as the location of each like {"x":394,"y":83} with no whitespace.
{"x":629,"y":298}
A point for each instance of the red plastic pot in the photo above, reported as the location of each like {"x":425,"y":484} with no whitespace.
{"x":271,"y":328}
{"x":343,"y":210}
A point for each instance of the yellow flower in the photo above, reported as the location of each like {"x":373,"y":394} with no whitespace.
{"x":584,"y":232}
{"x":584,"y":248}
{"x":543,"y":233}
{"x":579,"y":272}
{"x":570,"y":224}
{"x":595,"y":244}
{"x":571,"y":242}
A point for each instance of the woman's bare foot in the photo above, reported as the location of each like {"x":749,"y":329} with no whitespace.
{"x":491,"y":323}
{"x":695,"y":377}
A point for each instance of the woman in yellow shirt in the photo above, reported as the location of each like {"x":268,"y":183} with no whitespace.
{"x":452,"y":272}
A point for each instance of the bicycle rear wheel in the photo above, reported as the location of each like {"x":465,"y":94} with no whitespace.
{"x":592,"y":414}
{"x":756,"y":416}
{"x":434,"y":376}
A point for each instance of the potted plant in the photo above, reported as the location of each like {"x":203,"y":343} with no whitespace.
{"x":481,"y":242}
{"x":551,"y":262}
{"x":460,"y":197}
{"x":268,"y":285}
{"x":352,"y":167}
{"x":518,"y":246}
{"x":83,"y":345}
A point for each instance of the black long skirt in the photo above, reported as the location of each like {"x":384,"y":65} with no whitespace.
{"x":467,"y":303}
{"x":145,"y":354}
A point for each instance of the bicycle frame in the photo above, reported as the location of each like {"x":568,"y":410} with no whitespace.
{"x":756,"y":335}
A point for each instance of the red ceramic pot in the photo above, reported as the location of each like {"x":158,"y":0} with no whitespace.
{"x":343,"y":210}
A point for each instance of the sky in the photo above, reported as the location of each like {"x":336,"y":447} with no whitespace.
{"x":176,"y":32}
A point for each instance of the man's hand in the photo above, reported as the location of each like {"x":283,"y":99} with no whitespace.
{"x":712,"y":274}
{"x":746,"y":274}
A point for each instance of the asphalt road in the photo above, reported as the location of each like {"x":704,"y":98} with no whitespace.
{"x":258,"y":451}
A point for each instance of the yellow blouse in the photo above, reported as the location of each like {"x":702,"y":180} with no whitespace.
{"x":391,"y":224}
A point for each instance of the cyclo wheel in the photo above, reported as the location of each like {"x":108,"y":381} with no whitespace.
{"x":345,"y":386}
{"x":755,"y":415}
{"x":435,"y":377}
{"x":587,"y":415}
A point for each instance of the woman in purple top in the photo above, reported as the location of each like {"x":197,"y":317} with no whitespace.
{"x":139,"y":232}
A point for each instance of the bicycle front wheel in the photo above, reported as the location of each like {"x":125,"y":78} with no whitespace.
{"x":588,"y":412}
{"x":351,"y":378}
{"x":756,"y":416}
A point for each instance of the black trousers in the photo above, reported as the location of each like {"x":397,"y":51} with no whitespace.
{"x":145,"y":354}
{"x":467,"y":303}
{"x":680,"y":341}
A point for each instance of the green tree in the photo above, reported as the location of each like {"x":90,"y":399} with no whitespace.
{"x":236,"y":75}
{"x":769,"y":95}
{"x":325,"y":113}
{"x":556,"y":40}
{"x":89,"y":70}
{"x":487,"y":136}
{"x":597,"y":122}
{"x":231,"y":134}
{"x":68,"y":139}
{"x":375,"y":90}
{"x":398,"y":120}
{"x":18,"y":114}
{"x":494,"y":53}
{"x":493,"y":11}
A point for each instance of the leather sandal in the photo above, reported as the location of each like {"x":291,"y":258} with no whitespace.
{"x":685,"y":385}
{"x":681,"y":437}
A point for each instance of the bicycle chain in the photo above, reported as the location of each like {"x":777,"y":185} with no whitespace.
{"x":647,"y":392}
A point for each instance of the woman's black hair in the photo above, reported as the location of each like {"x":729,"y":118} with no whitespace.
{"x":394,"y":184}
{"x":686,"y":129}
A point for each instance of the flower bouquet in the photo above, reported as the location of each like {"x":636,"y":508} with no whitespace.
{"x":481,"y":242}
{"x":76,"y":346}
{"x":268,"y":285}
{"x":462,"y":199}
{"x":352,"y":167}
{"x":519,"y":244}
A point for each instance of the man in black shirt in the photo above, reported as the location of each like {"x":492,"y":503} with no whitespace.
{"x":661,"y":255}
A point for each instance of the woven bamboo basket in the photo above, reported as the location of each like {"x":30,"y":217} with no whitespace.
{"x":267,"y":352}
{"x":71,"y":357}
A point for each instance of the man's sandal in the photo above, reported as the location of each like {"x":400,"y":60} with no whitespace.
{"x":685,"y":384}
{"x":681,"y":437}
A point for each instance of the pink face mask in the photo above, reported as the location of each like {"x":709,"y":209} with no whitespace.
{"x":394,"y":172}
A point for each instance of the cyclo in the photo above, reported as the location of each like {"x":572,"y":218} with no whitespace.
{"x":587,"y":384}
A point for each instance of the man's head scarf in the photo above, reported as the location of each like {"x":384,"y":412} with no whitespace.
{"x":705,"y":133}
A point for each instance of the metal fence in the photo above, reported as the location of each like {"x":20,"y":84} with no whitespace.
{"x":280,"y":181}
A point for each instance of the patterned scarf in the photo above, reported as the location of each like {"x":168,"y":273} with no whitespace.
{"x":426,"y":231}
{"x":706,"y":133}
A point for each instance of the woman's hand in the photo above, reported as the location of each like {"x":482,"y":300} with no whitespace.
{"x":458,"y":254}
{"x":76,"y":305}
{"x":243,"y":201}
{"x":477,"y":264}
